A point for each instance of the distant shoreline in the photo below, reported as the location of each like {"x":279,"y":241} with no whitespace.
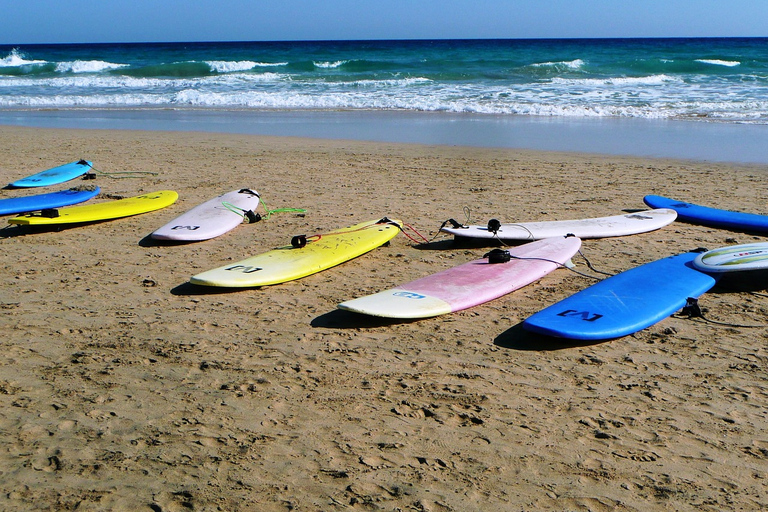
{"x":679,"y":139}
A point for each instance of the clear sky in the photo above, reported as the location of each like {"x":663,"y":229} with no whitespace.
{"x":91,"y":21}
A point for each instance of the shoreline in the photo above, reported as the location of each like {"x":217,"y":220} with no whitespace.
{"x":679,"y":139}
{"x":125,"y":388}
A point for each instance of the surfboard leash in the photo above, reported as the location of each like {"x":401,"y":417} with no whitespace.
{"x":252,"y":216}
{"x":269,"y":212}
{"x":495,"y":224}
{"x":412,"y":239}
{"x":454,"y":223}
{"x":692,"y":310}
{"x":248,"y":215}
{"x":300,"y":241}
{"x":503,"y":256}
{"x":580,"y":253}
{"x":116,"y":175}
{"x":591,"y":267}
{"x":387,"y":220}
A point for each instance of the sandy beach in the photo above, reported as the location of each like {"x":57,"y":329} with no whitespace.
{"x":123,"y":387}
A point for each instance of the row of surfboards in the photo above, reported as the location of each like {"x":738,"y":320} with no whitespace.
{"x":615,"y":307}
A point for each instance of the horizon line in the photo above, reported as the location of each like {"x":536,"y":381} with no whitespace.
{"x":426,"y":39}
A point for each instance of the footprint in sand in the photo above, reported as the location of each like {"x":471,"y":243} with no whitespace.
{"x":375,"y":462}
{"x":637,"y":455}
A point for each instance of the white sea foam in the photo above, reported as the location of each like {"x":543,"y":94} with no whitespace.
{"x":119,"y":83}
{"x":402,"y":82}
{"x":69,"y":101}
{"x":16,"y":59}
{"x":225,"y":66}
{"x":636,"y":80}
{"x":330,"y":65}
{"x":87,"y":66}
{"x":657,"y":96}
{"x":570,"y":64}
{"x":534,"y":102}
{"x":718,"y":62}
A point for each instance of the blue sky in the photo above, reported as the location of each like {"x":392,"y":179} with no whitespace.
{"x":90,"y":21}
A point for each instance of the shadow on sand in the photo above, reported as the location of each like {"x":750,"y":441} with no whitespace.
{"x":517,"y":338}
{"x":195,"y":289}
{"x":340,"y":319}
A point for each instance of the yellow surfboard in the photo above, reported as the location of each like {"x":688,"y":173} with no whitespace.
{"x":305,"y":256}
{"x":99,"y":211}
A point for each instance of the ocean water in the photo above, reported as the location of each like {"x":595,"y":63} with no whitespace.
{"x":714,"y":81}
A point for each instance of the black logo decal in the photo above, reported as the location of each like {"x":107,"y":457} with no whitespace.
{"x":245,"y":269}
{"x":585,"y":315}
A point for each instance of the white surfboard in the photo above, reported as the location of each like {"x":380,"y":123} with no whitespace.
{"x":735,"y":258}
{"x":601,"y":227}
{"x":211,"y":218}
{"x":470,"y":284}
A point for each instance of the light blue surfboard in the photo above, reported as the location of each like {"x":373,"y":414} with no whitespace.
{"x":13,"y":205}
{"x":707,"y":216}
{"x":625,"y":303}
{"x":55,"y":175}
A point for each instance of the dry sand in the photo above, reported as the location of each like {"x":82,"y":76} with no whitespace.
{"x":124,"y":388}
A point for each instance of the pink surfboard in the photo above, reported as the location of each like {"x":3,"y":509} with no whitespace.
{"x":470,"y":284}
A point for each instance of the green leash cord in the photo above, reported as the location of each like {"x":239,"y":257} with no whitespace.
{"x":254,"y":217}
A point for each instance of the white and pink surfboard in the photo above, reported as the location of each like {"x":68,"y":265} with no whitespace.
{"x":470,"y":284}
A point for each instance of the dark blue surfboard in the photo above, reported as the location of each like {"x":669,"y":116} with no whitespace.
{"x":707,"y":216}
{"x":13,"y":205}
{"x":55,"y":175}
{"x":625,"y":303}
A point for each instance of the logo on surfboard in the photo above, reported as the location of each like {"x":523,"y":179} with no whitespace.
{"x":245,"y":269}
{"x":409,"y":295}
{"x":584,"y":315}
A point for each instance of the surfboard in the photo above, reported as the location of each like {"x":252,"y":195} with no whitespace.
{"x":469,"y":284}
{"x":14,"y":205}
{"x":55,"y":175}
{"x":625,"y":303}
{"x":734,"y":258}
{"x":211,"y":218}
{"x":100,"y":211}
{"x":706,"y":216}
{"x":305,"y":256}
{"x":600,"y":227}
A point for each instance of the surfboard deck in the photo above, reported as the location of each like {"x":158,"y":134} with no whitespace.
{"x":55,"y":175}
{"x":289,"y":263}
{"x":210,"y":219}
{"x":100,"y":211}
{"x":625,"y":303}
{"x":15,"y":205}
{"x":600,"y":227}
{"x":468,"y":285}
{"x":734,"y":258}
{"x":706,"y":216}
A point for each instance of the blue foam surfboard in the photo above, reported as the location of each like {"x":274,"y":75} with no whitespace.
{"x":13,"y":205}
{"x":625,"y":303}
{"x":55,"y":175}
{"x":707,"y":216}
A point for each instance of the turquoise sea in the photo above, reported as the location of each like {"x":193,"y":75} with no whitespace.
{"x":695,"y":98}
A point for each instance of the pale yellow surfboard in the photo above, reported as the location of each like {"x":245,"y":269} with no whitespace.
{"x":99,"y":211}
{"x":294,"y":262}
